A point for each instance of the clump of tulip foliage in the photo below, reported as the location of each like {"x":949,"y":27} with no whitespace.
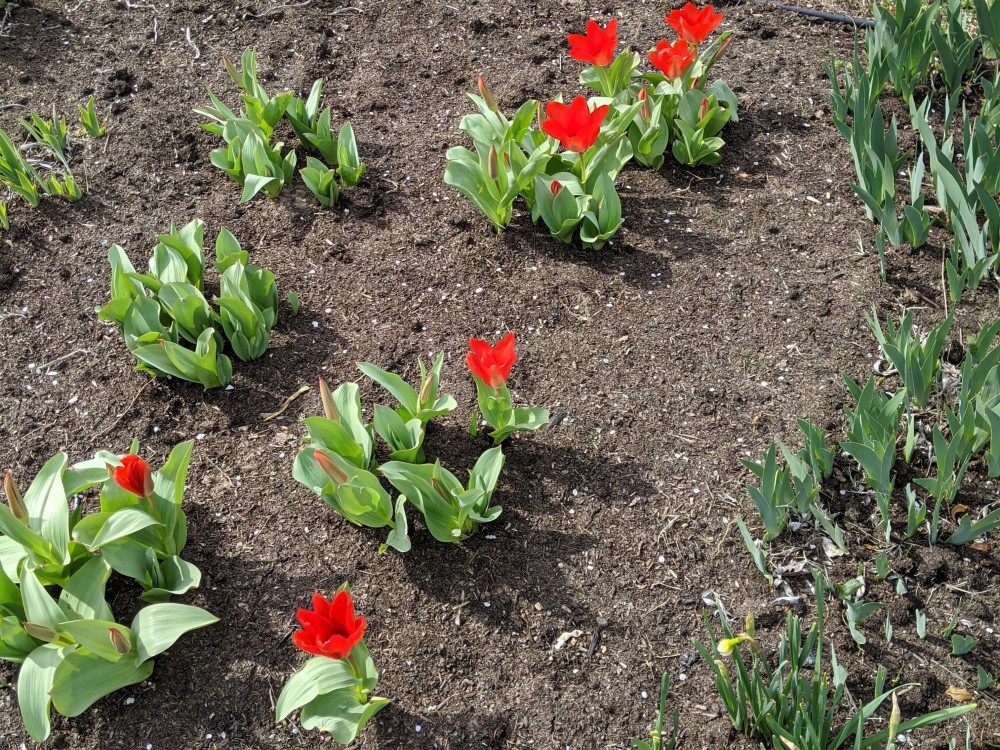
{"x":166,"y":319}
{"x":339,"y":462}
{"x":333,"y":689}
{"x":562,"y":159}
{"x":55,"y":561}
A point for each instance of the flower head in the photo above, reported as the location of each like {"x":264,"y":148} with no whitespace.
{"x":574,"y":125}
{"x":554,"y":187}
{"x":597,"y":46}
{"x":693,"y":25}
{"x":492,"y":364}
{"x":672,"y":59}
{"x":330,"y":627}
{"x":135,"y":476}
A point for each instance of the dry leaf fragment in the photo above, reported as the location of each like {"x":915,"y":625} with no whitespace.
{"x":958,"y":694}
{"x":959,"y":508}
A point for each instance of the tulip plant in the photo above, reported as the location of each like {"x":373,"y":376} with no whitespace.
{"x":333,"y":689}
{"x":634,"y":116}
{"x":338,"y":461}
{"x":55,"y":562}
{"x":164,"y":312}
{"x":490,"y":368}
{"x":253,"y":162}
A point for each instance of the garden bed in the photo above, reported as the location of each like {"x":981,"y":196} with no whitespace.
{"x":729,"y":304}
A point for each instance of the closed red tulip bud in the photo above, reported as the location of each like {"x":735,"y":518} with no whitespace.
{"x":134,"y":475}
{"x":337,"y":475}
{"x":597,"y":46}
{"x":574,"y":125}
{"x":39,"y":632}
{"x":492,"y":164}
{"x":703,"y":109}
{"x":693,"y":24}
{"x":120,"y":641}
{"x":672,"y":59}
{"x":330,"y":627}
{"x":645,"y":112}
{"x":329,"y":408}
{"x":438,"y":487}
{"x":554,"y":187}
{"x":487,"y":95}
{"x":492,"y":364}
{"x":14,"y":498}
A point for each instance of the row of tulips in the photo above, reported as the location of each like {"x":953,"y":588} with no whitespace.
{"x":333,"y":691}
{"x":73,"y":652}
{"x":562,"y":159}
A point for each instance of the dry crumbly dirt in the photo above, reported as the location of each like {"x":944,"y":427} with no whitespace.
{"x":729,"y":304}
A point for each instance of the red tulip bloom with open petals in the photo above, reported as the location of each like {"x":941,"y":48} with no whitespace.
{"x":597,"y":47}
{"x":492,"y":364}
{"x":672,"y":59}
{"x":693,"y":24}
{"x":330,"y":627}
{"x":135,"y":476}
{"x":574,"y":125}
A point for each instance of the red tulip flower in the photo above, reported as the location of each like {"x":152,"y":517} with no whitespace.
{"x":554,"y":187}
{"x":135,"y":476}
{"x":492,"y":364}
{"x":693,"y":25}
{"x":597,"y":47}
{"x":330,"y":627}
{"x":672,"y":59}
{"x":574,"y":125}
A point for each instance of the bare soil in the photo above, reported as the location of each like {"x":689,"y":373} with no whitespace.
{"x":730,"y":304}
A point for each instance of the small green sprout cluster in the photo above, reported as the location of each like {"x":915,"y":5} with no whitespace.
{"x":258,"y":165}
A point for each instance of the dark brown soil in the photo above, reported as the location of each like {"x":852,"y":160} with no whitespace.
{"x":667,"y":357}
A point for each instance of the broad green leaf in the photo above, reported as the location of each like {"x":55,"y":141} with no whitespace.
{"x":485,"y":473}
{"x":83,"y":678}
{"x":168,"y":482}
{"x":47,"y":507}
{"x":39,"y":607}
{"x":11,"y":554}
{"x":179,"y":576}
{"x":335,"y":437}
{"x":398,"y":387}
{"x":158,"y":626}
{"x":398,"y":537}
{"x":14,"y":531}
{"x":123,"y":523}
{"x":320,"y":675}
{"x":34,"y":682}
{"x":83,"y":594}
{"x":340,"y":713}
{"x":95,"y":636}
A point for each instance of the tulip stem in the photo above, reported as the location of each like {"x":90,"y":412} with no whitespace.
{"x":583,"y":170}
{"x":356,"y":671}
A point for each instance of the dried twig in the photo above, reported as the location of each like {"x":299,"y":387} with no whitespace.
{"x":187,"y":36}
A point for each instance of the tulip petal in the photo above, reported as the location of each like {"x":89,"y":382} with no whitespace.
{"x":303,"y":641}
{"x":321,"y":605}
{"x":342,"y":613}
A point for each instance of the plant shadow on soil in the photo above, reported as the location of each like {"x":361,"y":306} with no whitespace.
{"x":619,"y":259}
{"x":524,"y":560}
{"x":396,"y":727}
